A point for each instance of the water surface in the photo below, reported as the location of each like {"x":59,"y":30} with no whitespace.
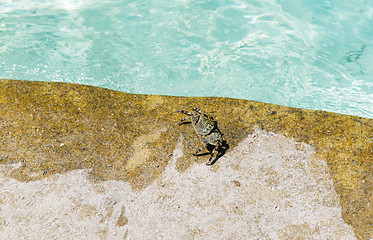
{"x":314,"y":55}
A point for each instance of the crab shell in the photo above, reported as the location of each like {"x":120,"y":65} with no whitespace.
{"x":215,"y":138}
{"x":206,"y":129}
{"x":202,"y":123}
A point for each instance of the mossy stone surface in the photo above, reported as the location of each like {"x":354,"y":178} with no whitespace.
{"x":53,"y":128}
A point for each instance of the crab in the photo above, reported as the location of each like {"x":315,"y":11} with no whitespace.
{"x":207,"y":130}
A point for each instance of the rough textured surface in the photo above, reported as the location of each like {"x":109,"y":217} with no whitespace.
{"x":268,"y":187}
{"x":50,"y":128}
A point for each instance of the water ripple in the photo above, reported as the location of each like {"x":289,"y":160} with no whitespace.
{"x":287,"y":52}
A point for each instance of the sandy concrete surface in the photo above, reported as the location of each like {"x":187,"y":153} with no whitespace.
{"x":267,"y":187}
{"x":80,"y":159}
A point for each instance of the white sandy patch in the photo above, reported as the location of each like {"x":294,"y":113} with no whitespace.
{"x":268,"y":187}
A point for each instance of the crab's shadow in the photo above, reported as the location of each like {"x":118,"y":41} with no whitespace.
{"x":221,"y":151}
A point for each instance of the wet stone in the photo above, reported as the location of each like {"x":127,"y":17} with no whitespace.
{"x":54,"y":128}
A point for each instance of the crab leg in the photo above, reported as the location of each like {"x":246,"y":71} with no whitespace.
{"x":185,"y":112}
{"x":211,"y":157}
{"x":195,"y":154}
{"x":197,"y":110}
{"x":202,"y":113}
{"x":217,"y":148}
{"x":184,"y":119}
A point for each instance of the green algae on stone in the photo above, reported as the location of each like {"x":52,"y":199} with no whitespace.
{"x":53,"y":128}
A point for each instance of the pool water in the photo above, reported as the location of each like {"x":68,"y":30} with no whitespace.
{"x":309,"y":54}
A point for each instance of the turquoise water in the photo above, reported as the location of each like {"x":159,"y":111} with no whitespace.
{"x":309,"y":54}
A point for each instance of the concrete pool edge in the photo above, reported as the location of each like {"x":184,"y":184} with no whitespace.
{"x":268,"y":187}
{"x":53,"y":128}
